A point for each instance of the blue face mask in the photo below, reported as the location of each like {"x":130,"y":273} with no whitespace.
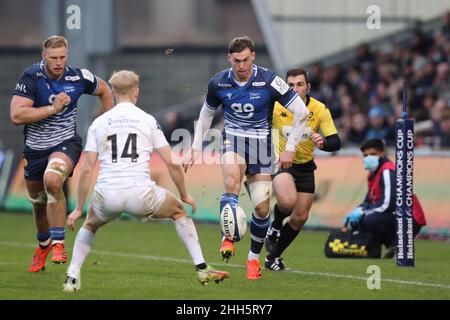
{"x":371,"y":162}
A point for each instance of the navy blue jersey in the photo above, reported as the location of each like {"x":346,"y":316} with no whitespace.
{"x":34,"y":84}
{"x":248,"y":109}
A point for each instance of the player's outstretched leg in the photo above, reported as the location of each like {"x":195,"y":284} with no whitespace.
{"x":81,"y":249}
{"x":227,"y":249}
{"x":186,"y":231}
{"x":210,"y":274}
{"x":72,"y":284}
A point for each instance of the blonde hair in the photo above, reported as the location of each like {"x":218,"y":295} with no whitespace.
{"x":55,"y":42}
{"x":123,"y":81}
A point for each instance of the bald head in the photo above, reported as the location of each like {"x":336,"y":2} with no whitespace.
{"x":125,"y":85}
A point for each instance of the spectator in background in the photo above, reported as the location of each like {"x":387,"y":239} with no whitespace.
{"x":444,"y":129}
{"x":379,"y":128}
{"x":359,"y":129}
{"x":446,"y":27}
{"x":172,"y":120}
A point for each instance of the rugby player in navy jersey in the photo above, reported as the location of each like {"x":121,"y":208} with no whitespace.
{"x":45,"y":101}
{"x":247,"y":94}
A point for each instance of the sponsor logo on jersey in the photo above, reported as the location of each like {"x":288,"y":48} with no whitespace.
{"x":72,"y":78}
{"x":68,"y":89}
{"x":254,"y":95}
{"x":259,"y":84}
{"x":125,"y":121}
{"x":224,"y":85}
{"x":21,"y":87}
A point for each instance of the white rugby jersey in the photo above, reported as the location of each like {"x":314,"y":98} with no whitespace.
{"x":124,"y":138}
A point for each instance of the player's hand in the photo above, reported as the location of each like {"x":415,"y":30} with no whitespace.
{"x":286,"y":159}
{"x":190,"y":201}
{"x":317,"y":139}
{"x":60,"y":101}
{"x":73,"y":217}
{"x":355,"y":216}
{"x":189,"y":160}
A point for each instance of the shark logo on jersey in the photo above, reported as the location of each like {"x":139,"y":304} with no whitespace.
{"x":283,"y":114}
{"x":229,"y":95}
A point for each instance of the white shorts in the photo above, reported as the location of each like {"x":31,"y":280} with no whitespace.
{"x":139,"y":201}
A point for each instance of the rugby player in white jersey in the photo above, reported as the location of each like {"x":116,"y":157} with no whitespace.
{"x":123,"y":140}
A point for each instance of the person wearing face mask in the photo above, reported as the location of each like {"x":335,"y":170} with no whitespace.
{"x":376,"y":215}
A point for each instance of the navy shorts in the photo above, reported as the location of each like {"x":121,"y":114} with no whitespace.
{"x":258,"y":153}
{"x":303,"y":175}
{"x":36,"y":160}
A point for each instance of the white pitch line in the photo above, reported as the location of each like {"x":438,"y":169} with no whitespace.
{"x":310,"y":273}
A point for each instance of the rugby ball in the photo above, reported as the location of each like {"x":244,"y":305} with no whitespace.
{"x":233,"y":222}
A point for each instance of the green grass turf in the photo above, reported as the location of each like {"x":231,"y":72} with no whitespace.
{"x":132,"y":260}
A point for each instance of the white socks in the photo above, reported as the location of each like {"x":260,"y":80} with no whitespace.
{"x":188,"y":234}
{"x":252,"y":255}
{"x":81,"y":248}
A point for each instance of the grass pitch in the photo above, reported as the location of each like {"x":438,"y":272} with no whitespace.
{"x":137,"y":261}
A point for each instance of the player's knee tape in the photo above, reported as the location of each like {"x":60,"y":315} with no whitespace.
{"x":52,"y":199}
{"x":58,"y":166}
{"x":41,"y":198}
{"x":260,"y":191}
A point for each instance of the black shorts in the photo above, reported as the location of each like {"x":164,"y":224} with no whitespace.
{"x":36,"y":160}
{"x":258,"y":153}
{"x":303,"y":175}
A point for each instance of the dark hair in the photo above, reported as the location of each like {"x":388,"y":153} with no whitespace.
{"x":297,"y":72}
{"x":376,"y":144}
{"x":239,"y":44}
